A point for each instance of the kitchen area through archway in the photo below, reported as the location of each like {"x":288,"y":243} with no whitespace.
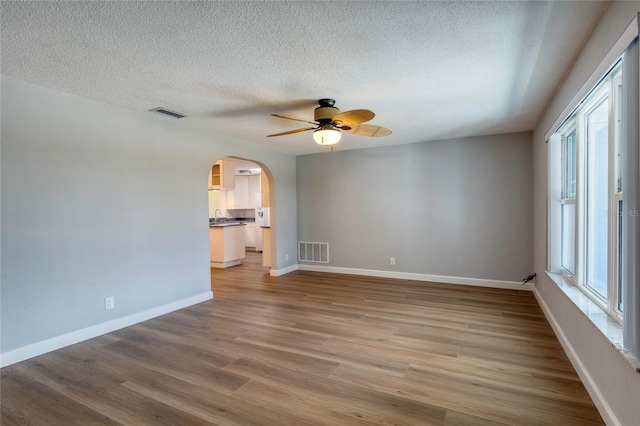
{"x":239,"y":214}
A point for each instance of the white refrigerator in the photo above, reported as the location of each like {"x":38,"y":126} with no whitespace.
{"x":259,"y":225}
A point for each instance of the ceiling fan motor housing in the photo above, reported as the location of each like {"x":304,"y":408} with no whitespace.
{"x":326,"y":111}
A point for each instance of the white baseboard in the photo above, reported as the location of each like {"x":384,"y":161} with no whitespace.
{"x":39,"y":348}
{"x":601,"y":403}
{"x":479,"y":282}
{"x":278,"y":272}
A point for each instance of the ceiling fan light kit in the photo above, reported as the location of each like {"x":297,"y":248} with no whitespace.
{"x":327,"y":135}
{"x":329,"y":122}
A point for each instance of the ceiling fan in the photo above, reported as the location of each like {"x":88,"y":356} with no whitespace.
{"x":329,"y":122}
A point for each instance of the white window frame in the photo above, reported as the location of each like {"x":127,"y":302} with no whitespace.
{"x":568,"y":128}
{"x":607,"y":88}
{"x":596,"y":99}
{"x":615,"y":197}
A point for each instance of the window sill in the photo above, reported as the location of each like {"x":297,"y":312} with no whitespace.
{"x":603,"y":322}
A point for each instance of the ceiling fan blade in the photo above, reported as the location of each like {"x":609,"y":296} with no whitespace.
{"x":369,"y":130}
{"x":354,"y":116}
{"x":295,"y":119}
{"x":290,"y":132}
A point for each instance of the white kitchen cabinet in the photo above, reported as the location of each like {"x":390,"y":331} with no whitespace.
{"x":244,"y":193}
{"x":250,"y":234}
{"x":222,"y":175}
{"x":226,"y":245}
{"x":241,"y":192}
{"x":254,"y":187}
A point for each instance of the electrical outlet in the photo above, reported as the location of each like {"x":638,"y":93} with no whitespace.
{"x":286,"y":257}
{"x":109,"y":303}
{"x":392,"y":261}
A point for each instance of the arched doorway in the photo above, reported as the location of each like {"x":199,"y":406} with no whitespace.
{"x":241,"y":212}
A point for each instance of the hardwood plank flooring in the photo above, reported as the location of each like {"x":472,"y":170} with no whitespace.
{"x":313,"y":349}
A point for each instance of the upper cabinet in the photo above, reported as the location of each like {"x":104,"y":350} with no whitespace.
{"x":244,"y":194}
{"x":222,"y":175}
{"x":241,"y":193}
{"x":254,"y":190}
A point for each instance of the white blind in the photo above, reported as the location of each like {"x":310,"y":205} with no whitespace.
{"x":631,"y":203}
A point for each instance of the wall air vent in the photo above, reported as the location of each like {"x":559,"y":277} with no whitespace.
{"x":167,"y":112}
{"x":313,"y":252}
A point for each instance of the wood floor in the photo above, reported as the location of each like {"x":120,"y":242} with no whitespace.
{"x":313,"y":349}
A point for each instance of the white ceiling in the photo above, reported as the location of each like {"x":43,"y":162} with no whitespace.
{"x":430,"y":70}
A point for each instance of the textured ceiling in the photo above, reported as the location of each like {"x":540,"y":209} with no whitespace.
{"x":430,"y":70}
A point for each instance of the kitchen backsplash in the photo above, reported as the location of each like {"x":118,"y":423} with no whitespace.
{"x":232,"y":219}
{"x":241,"y":213}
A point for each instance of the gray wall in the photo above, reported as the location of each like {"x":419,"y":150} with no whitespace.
{"x":459,"y":208}
{"x":100,"y":201}
{"x":616,"y":382}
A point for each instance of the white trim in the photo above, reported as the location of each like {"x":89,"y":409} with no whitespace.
{"x":226,"y":264}
{"x":278,"y":272}
{"x":628,"y":35}
{"x":554,"y":204}
{"x":44,"y":346}
{"x":601,"y":403}
{"x":479,"y":282}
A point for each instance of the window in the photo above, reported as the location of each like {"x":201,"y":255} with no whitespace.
{"x":569,"y":201}
{"x":590,"y":202}
{"x":593,"y":221}
{"x":597,"y":141}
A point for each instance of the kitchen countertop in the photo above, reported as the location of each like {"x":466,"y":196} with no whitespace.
{"x":225,"y":224}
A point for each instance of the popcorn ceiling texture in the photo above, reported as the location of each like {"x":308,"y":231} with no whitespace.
{"x":430,"y":70}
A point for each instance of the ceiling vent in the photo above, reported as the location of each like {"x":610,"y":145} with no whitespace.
{"x":167,"y":112}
